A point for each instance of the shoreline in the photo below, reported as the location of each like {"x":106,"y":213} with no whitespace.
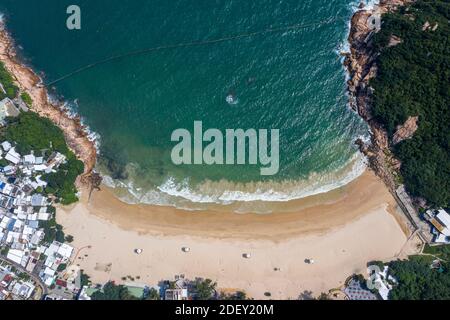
{"x":360,"y":63}
{"x":361,"y":66}
{"x":74,"y":131}
{"x":322,"y":227}
{"x":315,"y":214}
{"x":253,"y":197}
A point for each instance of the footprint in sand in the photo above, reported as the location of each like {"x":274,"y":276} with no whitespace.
{"x":105,"y":267}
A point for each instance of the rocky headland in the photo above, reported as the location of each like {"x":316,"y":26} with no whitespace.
{"x":361,"y":65}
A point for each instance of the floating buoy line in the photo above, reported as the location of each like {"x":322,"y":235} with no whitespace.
{"x":186,"y":45}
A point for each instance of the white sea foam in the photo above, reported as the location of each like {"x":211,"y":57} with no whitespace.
{"x":252,"y":196}
{"x":344,"y":47}
{"x":183,"y":194}
{"x":71,"y":110}
{"x":272,"y":192}
{"x":370,"y":5}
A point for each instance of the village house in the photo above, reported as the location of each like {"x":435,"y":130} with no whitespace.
{"x":57,"y":253}
{"x":22,"y":208}
{"x":12,"y":287}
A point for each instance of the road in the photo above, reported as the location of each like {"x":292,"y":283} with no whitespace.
{"x":22,"y":269}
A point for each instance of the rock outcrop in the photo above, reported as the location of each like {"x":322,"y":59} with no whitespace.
{"x":394,"y":40}
{"x":361,"y":65}
{"x":406,"y":131}
{"x":75,"y":133}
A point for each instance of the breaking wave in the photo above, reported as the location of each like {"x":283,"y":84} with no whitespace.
{"x":184,"y":195}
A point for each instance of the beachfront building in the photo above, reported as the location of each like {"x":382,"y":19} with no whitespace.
{"x":57,"y":253}
{"x":179,"y":290}
{"x":354,"y":290}
{"x":383,"y":282}
{"x":85,"y":293}
{"x":440,"y":221}
{"x":176,"y":294}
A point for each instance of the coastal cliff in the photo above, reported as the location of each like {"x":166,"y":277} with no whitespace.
{"x":74,"y":131}
{"x":361,"y":65}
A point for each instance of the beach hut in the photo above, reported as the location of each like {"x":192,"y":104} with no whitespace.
{"x":247,"y":255}
{"x":186,"y":249}
{"x":138,"y":251}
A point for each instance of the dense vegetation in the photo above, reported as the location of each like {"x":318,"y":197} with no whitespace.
{"x":204,"y":289}
{"x":201,"y":289}
{"x":32,"y":132}
{"x":52,"y":230}
{"x":111,"y":291}
{"x":414,"y":80}
{"x":62,"y":182}
{"x":85,"y":279}
{"x":6,"y":80}
{"x":417,"y":280}
{"x":153,"y":294}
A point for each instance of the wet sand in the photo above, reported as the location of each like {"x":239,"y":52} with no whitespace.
{"x":341,"y":230}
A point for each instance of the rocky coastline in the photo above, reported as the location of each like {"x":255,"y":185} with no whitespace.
{"x":360,"y":63}
{"x":361,"y":66}
{"x":75,"y":132}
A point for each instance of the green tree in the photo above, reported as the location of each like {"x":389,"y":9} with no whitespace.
{"x":26,"y":98}
{"x":418,"y":281}
{"x":8,"y":84}
{"x":153,"y":294}
{"x":31,"y":133}
{"x":61,"y":267}
{"x":111,"y":291}
{"x":84,"y":279}
{"x":204,"y":289}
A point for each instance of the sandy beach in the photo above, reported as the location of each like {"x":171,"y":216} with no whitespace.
{"x":341,"y":230}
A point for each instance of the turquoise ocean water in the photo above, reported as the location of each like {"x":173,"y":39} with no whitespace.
{"x":291,"y":80}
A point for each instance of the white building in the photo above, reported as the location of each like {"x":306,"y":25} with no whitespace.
{"x":6,"y":146}
{"x":441,"y":222}
{"x":23,"y":290}
{"x":18,"y":256}
{"x":29,"y":159}
{"x":381,"y":281}
{"x":13,"y":156}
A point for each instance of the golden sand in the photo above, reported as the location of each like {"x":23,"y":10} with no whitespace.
{"x":341,"y":230}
